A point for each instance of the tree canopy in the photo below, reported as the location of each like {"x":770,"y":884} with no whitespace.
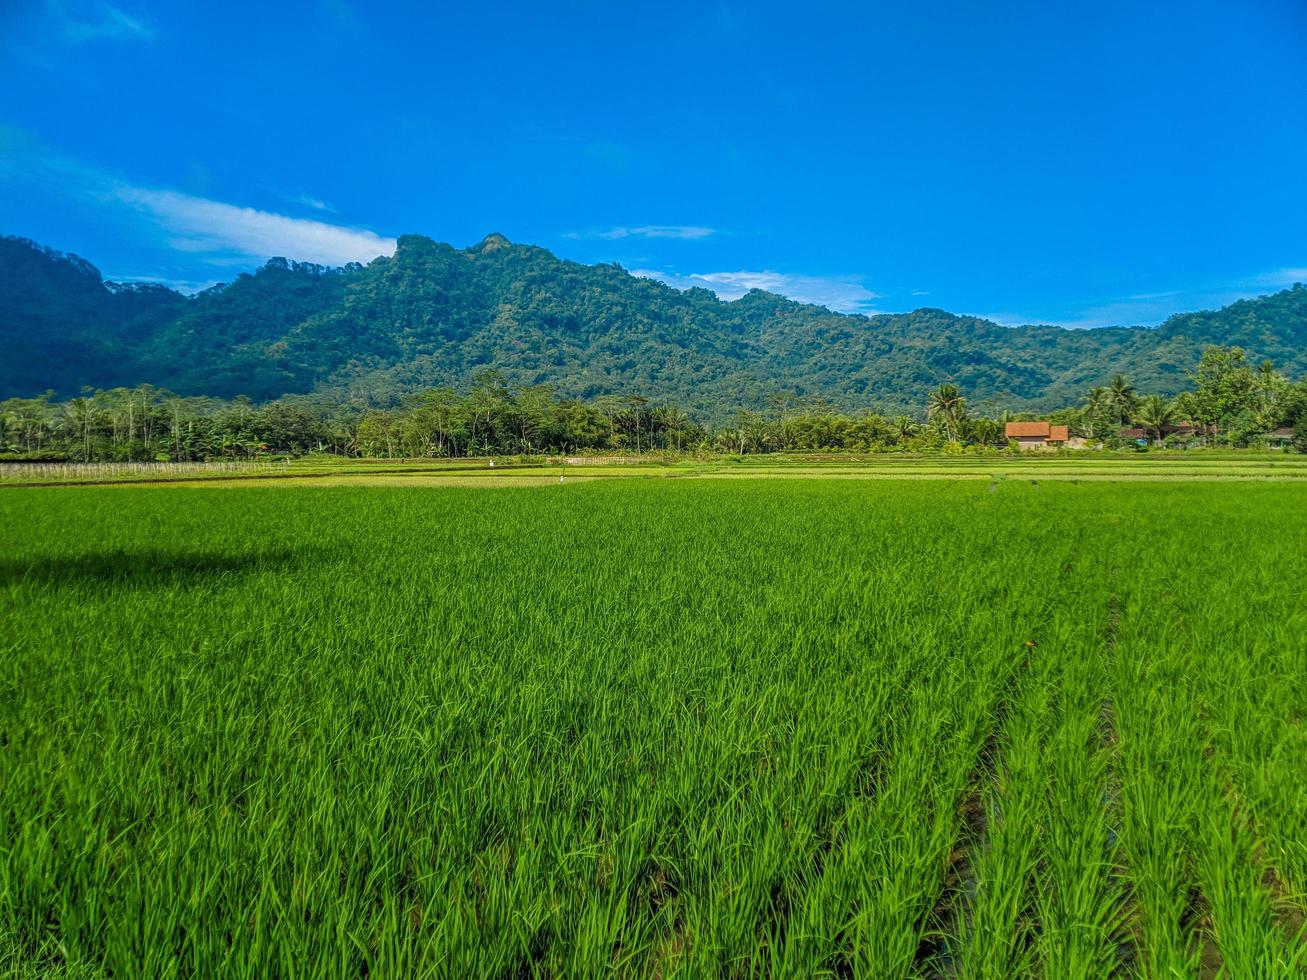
{"x":1230,"y":404}
{"x":432,"y":315}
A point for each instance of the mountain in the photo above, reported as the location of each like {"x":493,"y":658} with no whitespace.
{"x":433,"y":314}
{"x":62,"y":326}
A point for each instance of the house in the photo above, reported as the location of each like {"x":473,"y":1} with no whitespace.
{"x":1036,"y":435}
{"x":1280,"y":438}
{"x":1181,"y":430}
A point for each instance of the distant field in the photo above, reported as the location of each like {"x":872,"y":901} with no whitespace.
{"x":1200,"y":464}
{"x":988,"y":726}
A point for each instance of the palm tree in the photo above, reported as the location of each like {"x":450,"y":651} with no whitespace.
{"x":903,"y":427}
{"x":1096,"y":405}
{"x":948,"y":406}
{"x":1156,"y":413}
{"x":1123,"y":398}
{"x":81,"y":416}
{"x":986,"y":431}
{"x":674,"y":422}
{"x":1269,"y":386}
{"x":637,"y":404}
{"x":1266,"y":378}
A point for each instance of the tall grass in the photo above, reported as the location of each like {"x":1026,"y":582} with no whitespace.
{"x":652,"y":728}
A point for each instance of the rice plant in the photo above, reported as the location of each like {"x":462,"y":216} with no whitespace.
{"x":648,"y":727}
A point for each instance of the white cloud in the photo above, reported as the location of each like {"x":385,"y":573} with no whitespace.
{"x":220,"y":234}
{"x":1285,"y":277}
{"x":316,"y":203}
{"x":198,"y":224}
{"x":1143,"y":312}
{"x":844,"y":294}
{"x":99,"y":22}
{"x":1150,"y":309}
{"x":686,"y":232}
{"x":188,"y":286}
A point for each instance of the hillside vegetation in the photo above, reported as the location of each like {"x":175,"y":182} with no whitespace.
{"x":433,"y":314}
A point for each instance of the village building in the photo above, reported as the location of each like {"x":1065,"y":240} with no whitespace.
{"x":1280,"y":438}
{"x":1180,"y":430}
{"x":1036,"y":435}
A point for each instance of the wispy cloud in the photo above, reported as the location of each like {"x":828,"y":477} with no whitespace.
{"x":198,"y":224}
{"x":83,"y":22}
{"x":686,"y":232}
{"x":187,"y":286}
{"x":316,"y":203}
{"x":1282,"y":278}
{"x":845,"y":294}
{"x":215,"y":232}
{"x":1150,"y":309}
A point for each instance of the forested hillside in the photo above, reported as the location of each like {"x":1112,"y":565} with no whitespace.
{"x":432,"y":314}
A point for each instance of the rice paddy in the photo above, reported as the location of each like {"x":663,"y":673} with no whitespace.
{"x":527,"y":470}
{"x":989,"y":726}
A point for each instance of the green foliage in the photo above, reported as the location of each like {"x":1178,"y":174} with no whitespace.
{"x":62,"y":326}
{"x":1122,"y":399}
{"x":493,"y":417}
{"x":948,"y":409}
{"x":490,"y":418}
{"x":1155,"y":413}
{"x":432,"y":315}
{"x":1225,"y":387}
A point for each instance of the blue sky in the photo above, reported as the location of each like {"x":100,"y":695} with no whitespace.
{"x":1072,"y":163}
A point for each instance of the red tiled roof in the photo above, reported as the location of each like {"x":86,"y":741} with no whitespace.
{"x":1058,"y":433}
{"x":1026,"y":430}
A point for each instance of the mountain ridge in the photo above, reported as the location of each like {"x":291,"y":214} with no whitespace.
{"x":434,"y":314}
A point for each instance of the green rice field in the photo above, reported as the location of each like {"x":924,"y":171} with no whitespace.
{"x":333,"y":470}
{"x":1012,"y":720}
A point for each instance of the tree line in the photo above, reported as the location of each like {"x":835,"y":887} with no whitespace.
{"x":1231,"y":402}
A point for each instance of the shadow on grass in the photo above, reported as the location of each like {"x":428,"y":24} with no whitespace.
{"x":148,"y":568}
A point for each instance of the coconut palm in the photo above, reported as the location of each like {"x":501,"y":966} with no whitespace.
{"x":79,"y":415}
{"x":947,"y":406}
{"x":1267,"y":378}
{"x":1155,"y":413}
{"x":636,"y":404}
{"x":1123,"y":398}
{"x":985,"y":431}
{"x":1097,"y":405}
{"x":903,"y":427}
{"x":1270,"y":386}
{"x":673,"y":422}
